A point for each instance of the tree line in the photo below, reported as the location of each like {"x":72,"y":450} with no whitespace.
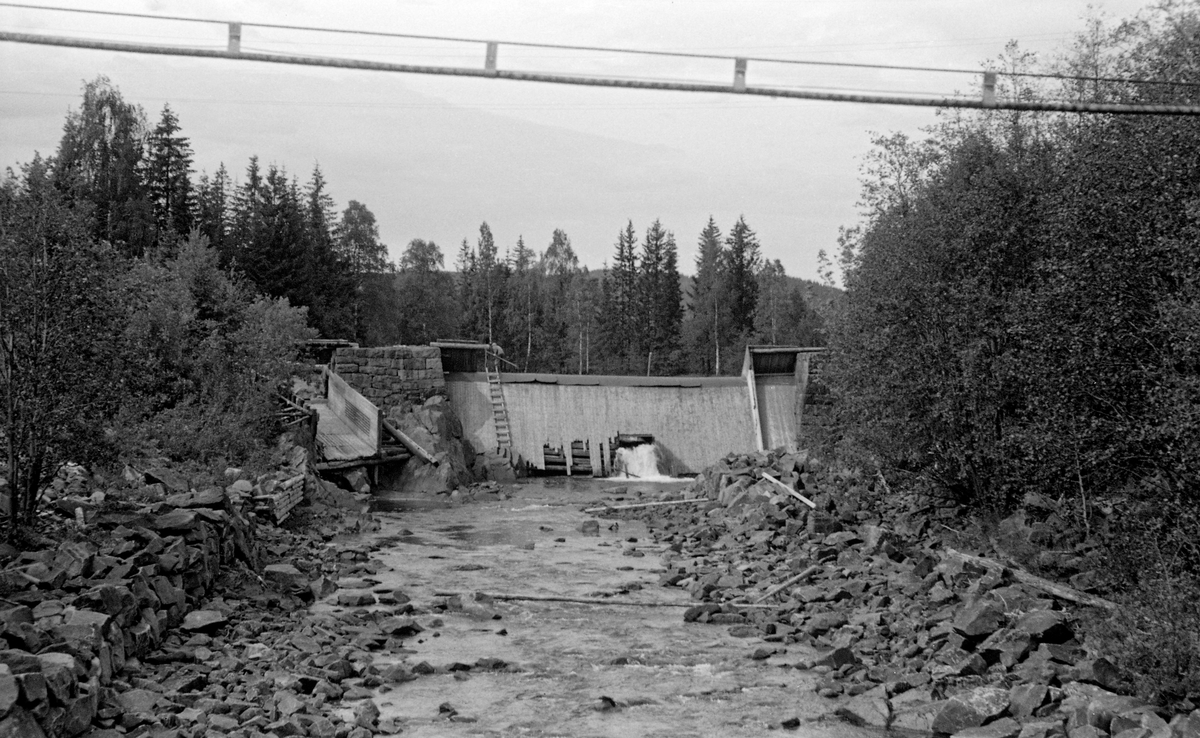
{"x":549,"y":312}
{"x":635,"y":316}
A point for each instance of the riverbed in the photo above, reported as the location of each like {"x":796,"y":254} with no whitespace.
{"x":570,"y":669}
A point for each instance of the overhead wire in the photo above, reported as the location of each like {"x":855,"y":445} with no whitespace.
{"x":849,"y":94}
{"x":578,"y":47}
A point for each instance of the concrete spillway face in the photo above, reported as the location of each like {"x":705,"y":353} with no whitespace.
{"x":639,"y":462}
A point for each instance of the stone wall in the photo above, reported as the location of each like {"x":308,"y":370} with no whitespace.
{"x":392,"y":376}
{"x":73,"y":616}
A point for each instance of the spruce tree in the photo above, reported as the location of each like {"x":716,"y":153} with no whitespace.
{"x":168,"y":177}
{"x":661,"y":303}
{"x":707,"y":327}
{"x":213,"y":210}
{"x":741,"y":276}
{"x":620,"y":320}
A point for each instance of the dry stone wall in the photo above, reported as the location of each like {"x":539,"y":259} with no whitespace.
{"x":392,"y":376}
{"x":72,"y":617}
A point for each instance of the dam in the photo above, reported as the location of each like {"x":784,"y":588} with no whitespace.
{"x":573,"y":423}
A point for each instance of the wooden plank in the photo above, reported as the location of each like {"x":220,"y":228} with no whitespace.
{"x":1060,"y":591}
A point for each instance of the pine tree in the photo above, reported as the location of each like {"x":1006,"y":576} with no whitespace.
{"x":741,"y":276}
{"x":168,"y":177}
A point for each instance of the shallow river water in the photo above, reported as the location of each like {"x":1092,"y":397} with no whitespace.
{"x":661,"y":676}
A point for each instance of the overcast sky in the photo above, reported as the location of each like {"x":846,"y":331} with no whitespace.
{"x":434,"y":156}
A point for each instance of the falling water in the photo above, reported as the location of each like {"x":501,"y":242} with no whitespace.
{"x":638,"y":462}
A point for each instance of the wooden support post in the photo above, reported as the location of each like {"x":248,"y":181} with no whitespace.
{"x":739,"y":75}
{"x":235,"y":38}
{"x":409,"y":444}
{"x":989,"y":88}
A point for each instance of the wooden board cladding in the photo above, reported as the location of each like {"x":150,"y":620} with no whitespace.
{"x":357,"y":411}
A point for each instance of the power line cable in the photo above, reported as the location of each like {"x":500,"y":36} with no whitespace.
{"x":643,"y":84}
{"x":644,"y":52}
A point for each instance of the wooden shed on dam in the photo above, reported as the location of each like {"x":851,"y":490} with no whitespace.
{"x":694,"y":420}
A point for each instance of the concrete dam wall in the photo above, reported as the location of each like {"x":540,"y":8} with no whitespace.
{"x":694,"y":420}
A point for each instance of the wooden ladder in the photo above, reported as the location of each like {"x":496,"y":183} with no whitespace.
{"x":499,"y":410}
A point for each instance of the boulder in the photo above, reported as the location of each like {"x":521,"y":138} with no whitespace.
{"x":10,"y":691}
{"x":204,"y":620}
{"x":357,"y":480}
{"x":970,"y":709}
{"x":916,"y":715}
{"x":169,"y":478}
{"x":1025,"y":698}
{"x":286,"y":577}
{"x":20,"y":724}
{"x":209,"y":497}
{"x":1045,"y":626}
{"x":176,"y":521}
{"x":979,"y":619}
{"x":870,"y":708}
{"x":419,"y":477}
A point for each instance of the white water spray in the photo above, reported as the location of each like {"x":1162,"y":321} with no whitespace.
{"x":639,"y":462}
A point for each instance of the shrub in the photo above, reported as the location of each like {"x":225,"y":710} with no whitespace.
{"x":207,"y":358}
{"x":1152,"y":558}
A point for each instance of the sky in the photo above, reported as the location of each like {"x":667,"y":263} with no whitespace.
{"x":433,"y":157}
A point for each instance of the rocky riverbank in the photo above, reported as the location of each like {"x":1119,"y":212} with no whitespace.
{"x":907,"y":632}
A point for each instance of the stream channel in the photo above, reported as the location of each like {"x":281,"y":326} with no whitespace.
{"x":661,"y":676}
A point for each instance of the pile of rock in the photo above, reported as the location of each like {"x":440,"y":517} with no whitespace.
{"x":75,"y":616}
{"x":915,"y":634}
{"x":256,"y":661}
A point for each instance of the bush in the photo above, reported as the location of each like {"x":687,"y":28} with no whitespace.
{"x":208,"y":358}
{"x":1152,"y":558}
